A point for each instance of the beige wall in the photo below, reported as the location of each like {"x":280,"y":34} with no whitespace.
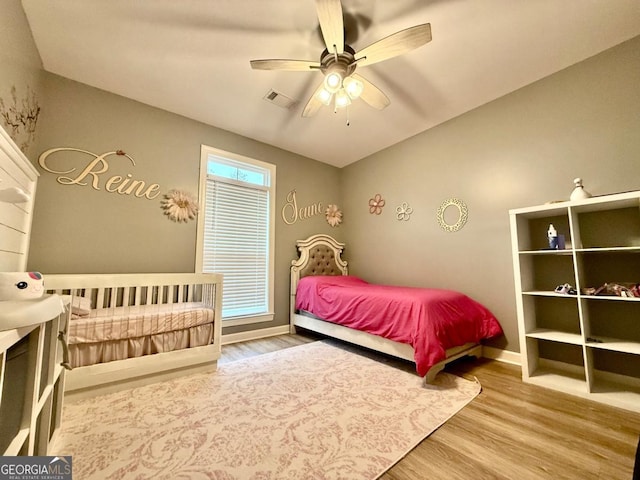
{"x":79,"y":229}
{"x":520,"y":150}
{"x":523,"y":149}
{"x":20,"y":68}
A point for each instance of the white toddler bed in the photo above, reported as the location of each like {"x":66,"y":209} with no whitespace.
{"x":127,"y":329}
{"x":321,"y":255}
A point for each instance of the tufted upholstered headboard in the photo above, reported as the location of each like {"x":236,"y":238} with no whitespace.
{"x":319,"y":255}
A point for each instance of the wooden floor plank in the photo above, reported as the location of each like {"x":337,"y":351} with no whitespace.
{"x":512,"y":430}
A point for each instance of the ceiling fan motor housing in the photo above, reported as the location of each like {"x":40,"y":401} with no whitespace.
{"x":342,"y":63}
{"x":338,"y":61}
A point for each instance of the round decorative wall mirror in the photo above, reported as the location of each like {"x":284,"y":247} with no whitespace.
{"x":452,"y":215}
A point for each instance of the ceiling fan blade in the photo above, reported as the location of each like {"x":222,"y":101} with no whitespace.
{"x":372,"y":94}
{"x":313,"y":105}
{"x":291,"y":65}
{"x":331,"y":24}
{"x":394,"y":45}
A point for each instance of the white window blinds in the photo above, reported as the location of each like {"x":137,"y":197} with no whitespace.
{"x":236,"y":232}
{"x":236,"y":244}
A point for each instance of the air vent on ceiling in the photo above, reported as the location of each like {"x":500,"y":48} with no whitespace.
{"x":279,"y":99}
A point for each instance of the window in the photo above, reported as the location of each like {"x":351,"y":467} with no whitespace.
{"x":236,"y":232}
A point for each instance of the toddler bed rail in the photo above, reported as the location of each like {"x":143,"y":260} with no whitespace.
{"x":130,"y":329}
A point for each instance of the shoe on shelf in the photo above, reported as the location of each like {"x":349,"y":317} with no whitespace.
{"x":566,"y":289}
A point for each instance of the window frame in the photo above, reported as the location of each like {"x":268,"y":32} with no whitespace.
{"x":205,"y":151}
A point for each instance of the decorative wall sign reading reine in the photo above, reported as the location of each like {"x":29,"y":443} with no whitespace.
{"x":94,"y":169}
{"x":462,"y":215}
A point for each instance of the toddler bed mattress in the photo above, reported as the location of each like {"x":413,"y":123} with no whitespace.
{"x":430,"y":320}
{"x":106,"y":334}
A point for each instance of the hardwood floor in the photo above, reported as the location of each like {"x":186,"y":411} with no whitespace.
{"x":512,"y":430}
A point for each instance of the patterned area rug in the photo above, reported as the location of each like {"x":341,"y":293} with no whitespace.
{"x":308,"y":412}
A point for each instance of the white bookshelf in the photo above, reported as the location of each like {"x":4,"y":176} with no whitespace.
{"x":577,"y":343}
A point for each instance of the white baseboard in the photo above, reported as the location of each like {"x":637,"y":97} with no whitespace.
{"x":505,"y":356}
{"x":254,"y":334}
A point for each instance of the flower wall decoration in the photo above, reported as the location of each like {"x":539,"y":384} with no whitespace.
{"x":375,"y":204}
{"x":404,"y":211}
{"x":179,"y":206}
{"x":334,"y":215}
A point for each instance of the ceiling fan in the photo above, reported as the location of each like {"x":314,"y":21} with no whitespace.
{"x":339,"y":61}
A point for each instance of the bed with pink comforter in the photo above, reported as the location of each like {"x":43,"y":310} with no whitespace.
{"x":430,"y":320}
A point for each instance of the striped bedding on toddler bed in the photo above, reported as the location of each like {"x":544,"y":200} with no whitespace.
{"x":105,"y":334}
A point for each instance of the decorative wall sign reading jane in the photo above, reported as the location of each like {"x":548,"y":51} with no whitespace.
{"x":291,"y":213}
{"x":461,"y":208}
{"x":94,"y":169}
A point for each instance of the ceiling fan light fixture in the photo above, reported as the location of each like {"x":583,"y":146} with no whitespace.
{"x":338,"y":61}
{"x":353,"y":87}
{"x":333,"y":82}
{"x":342,"y":98}
{"x":324,"y":96}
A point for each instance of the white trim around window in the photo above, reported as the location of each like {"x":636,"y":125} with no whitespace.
{"x":239,"y":186}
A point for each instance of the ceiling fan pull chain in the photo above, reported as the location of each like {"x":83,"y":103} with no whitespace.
{"x":347,"y":109}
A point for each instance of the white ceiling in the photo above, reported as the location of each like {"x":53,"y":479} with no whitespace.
{"x":191,"y":57}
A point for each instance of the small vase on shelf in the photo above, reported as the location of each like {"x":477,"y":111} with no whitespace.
{"x":579,"y":192}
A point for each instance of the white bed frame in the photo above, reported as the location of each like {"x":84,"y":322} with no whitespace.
{"x":141,"y":289}
{"x":322,"y":255}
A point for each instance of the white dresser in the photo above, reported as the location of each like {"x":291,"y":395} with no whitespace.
{"x":16,"y":174}
{"x":31,"y":374}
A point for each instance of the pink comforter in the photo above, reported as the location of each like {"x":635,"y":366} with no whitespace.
{"x":430,"y":320}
